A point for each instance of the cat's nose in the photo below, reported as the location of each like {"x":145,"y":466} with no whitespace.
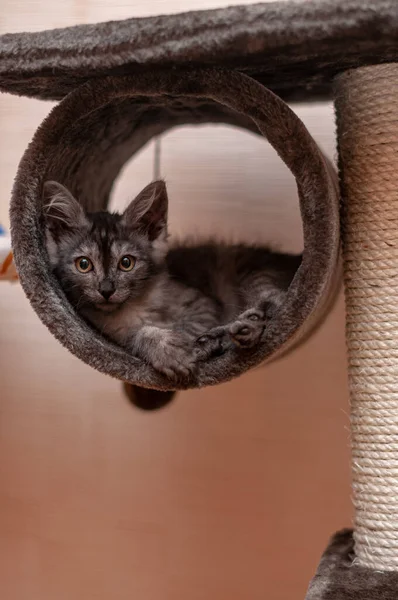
{"x":106,"y":289}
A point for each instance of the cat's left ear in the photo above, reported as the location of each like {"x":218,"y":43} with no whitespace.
{"x":148,"y":211}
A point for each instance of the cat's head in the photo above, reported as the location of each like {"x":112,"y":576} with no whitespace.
{"x":103,"y":260}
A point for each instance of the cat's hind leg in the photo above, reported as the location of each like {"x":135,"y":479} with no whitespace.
{"x":248,"y":328}
{"x":244,"y":332}
{"x":212,"y":343}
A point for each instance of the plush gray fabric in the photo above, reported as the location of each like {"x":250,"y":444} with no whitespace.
{"x":337,"y":578}
{"x":86,"y":140}
{"x":294,"y":48}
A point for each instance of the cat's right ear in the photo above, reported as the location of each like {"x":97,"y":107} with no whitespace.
{"x":61,"y":211}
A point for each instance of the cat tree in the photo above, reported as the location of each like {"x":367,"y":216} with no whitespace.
{"x":122,"y":83}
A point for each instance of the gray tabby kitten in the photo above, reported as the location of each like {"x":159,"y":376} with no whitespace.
{"x":171,"y":306}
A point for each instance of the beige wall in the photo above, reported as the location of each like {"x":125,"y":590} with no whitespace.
{"x":230,"y":493}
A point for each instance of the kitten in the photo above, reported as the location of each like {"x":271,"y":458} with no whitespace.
{"x":169,"y":306}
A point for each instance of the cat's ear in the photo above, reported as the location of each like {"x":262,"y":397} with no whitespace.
{"x":61,"y":211}
{"x":148,"y":211}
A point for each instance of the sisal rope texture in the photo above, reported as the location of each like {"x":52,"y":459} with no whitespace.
{"x":367,"y":123}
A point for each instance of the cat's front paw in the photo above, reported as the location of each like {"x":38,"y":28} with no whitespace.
{"x":247,"y":330}
{"x":175,"y":359}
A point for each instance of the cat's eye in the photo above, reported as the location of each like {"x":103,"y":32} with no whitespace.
{"x":83,"y":264}
{"x":126,"y":263}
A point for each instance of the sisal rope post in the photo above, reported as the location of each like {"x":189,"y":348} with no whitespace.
{"x":367,"y":127}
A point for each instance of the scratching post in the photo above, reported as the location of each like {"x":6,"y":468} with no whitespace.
{"x":367,"y":117}
{"x":364,"y":564}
